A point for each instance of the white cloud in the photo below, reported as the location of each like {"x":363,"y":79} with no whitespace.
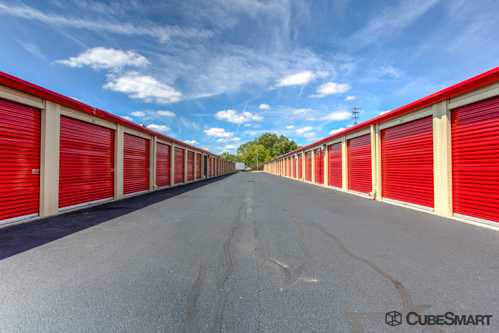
{"x":106,"y":58}
{"x":143,"y":87}
{"x":139,"y":114}
{"x":303,"y":130}
{"x":383,"y":112}
{"x":264,"y":107}
{"x":191,"y":142}
{"x":331,"y":88}
{"x":301,"y":110}
{"x":161,"y":32}
{"x":336,"y":130}
{"x":165,"y":113}
{"x":388,"y":71}
{"x":230,"y":147}
{"x":290,"y":127}
{"x":337,"y":115}
{"x":232,"y":139}
{"x":235,"y":117}
{"x":297,"y":79}
{"x":350,"y":98}
{"x":159,"y":128}
{"x":218,"y":132}
{"x":127,"y":118}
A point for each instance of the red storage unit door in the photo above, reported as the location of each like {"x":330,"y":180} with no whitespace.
{"x":19,"y":160}
{"x":190,"y":165}
{"x":334,"y":164}
{"x":300,"y":167}
{"x":359,"y":164}
{"x":198,"y":165}
{"x":407,"y":162}
{"x":163,"y":164}
{"x":179,"y":165}
{"x":293,"y":167}
{"x":86,"y":165}
{"x":308,"y":166}
{"x":475,"y":160}
{"x":319,"y":167}
{"x":135,"y":164}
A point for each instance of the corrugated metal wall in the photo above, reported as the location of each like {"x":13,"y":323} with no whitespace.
{"x":475,"y":159}
{"x":86,"y":163}
{"x":190,"y":166}
{"x":359,"y":164}
{"x":135,"y":164}
{"x":335,"y":176}
{"x":19,"y":160}
{"x":308,"y":166}
{"x":163,"y":164}
{"x":407,"y":162}
{"x":198,"y":166}
{"x":319,"y":166}
{"x":179,"y":165}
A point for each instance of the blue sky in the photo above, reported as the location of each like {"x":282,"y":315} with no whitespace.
{"x":218,"y":73}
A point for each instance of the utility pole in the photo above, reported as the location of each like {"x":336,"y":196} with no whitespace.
{"x":355,"y":115}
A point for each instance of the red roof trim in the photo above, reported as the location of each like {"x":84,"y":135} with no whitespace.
{"x":461,"y":88}
{"x":35,"y":90}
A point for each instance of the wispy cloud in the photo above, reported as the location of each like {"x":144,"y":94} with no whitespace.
{"x":391,"y":20}
{"x":264,"y":107}
{"x":161,"y":33}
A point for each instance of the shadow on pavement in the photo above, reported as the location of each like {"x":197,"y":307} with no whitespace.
{"x":23,"y":237}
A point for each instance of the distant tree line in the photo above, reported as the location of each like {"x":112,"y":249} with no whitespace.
{"x":265,"y":148}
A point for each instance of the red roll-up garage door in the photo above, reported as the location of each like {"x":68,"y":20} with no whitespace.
{"x":190,"y":165}
{"x":475,"y":160}
{"x":19,"y":160}
{"x":293,"y":167}
{"x":359,"y":164}
{"x":179,"y":165}
{"x":319,"y":167}
{"x":198,"y":166}
{"x":300,"y":166}
{"x":308,"y":166}
{"x":335,"y":176}
{"x":163,"y":164}
{"x":86,"y":165}
{"x":135,"y":164}
{"x":407,"y":162}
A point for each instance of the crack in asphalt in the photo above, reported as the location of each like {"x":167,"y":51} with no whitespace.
{"x":405,"y":297}
{"x":228,"y":260}
{"x":192,"y":299}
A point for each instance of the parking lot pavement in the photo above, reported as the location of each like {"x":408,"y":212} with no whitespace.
{"x":249,"y":252}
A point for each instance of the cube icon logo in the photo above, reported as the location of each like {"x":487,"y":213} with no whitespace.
{"x":393,"y":318}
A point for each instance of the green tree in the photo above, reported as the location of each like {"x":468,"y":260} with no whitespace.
{"x":265,"y":147}
{"x":230,"y":157}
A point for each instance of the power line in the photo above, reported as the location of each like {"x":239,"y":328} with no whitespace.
{"x":355,"y":115}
